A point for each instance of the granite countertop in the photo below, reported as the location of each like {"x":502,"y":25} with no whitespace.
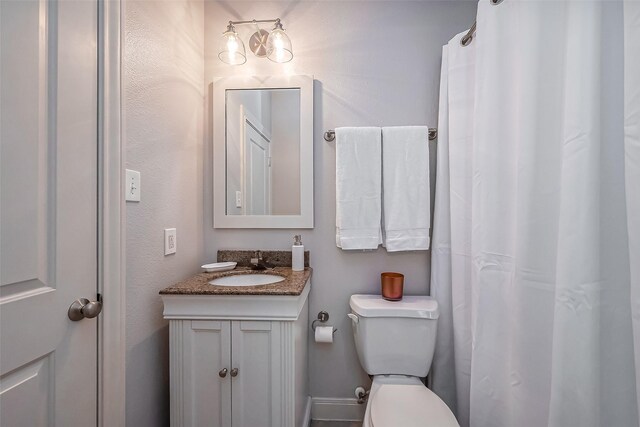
{"x":293,"y":284}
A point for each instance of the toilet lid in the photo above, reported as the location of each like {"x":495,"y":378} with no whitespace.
{"x":396,"y":405}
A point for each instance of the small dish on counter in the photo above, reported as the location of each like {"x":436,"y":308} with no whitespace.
{"x":219,"y":266}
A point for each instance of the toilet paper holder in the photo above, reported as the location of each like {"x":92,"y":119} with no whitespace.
{"x":323,"y":317}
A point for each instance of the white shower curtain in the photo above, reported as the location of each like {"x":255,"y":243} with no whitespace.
{"x":536,"y":246}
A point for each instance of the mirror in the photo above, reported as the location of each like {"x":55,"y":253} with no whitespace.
{"x":263,"y":152}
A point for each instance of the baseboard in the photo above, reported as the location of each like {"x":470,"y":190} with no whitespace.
{"x":306,"y":421}
{"x":336,"y":409}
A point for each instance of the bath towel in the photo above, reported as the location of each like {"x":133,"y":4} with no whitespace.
{"x":406,"y":190}
{"x":358,"y":187}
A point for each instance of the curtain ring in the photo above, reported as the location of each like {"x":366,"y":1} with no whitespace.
{"x":467,"y":38}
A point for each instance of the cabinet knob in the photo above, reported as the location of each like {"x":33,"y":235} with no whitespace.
{"x":234,"y":372}
{"x":223,"y":372}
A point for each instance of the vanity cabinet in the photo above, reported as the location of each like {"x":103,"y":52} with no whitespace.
{"x":244,"y":367}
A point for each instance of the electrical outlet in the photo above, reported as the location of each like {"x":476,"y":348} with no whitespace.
{"x":170,"y":241}
{"x":132,"y":186}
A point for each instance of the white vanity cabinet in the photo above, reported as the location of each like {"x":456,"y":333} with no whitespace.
{"x":238,"y":361}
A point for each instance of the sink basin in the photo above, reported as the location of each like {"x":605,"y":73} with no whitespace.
{"x":247,"y":280}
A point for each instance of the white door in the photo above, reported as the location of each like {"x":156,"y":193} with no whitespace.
{"x":255,"y":393}
{"x":205,"y":358}
{"x":48,"y":215}
{"x":258,"y":171}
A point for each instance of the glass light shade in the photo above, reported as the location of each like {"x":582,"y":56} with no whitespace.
{"x":232,"y":49}
{"x":279,"y":46}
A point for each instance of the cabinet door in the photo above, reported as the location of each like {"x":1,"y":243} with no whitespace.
{"x":206,"y":394}
{"x":255,"y":395}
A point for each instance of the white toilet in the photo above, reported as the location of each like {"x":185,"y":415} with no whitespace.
{"x":395,"y":343}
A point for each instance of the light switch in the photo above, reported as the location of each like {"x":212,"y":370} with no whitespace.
{"x":132,"y":186}
{"x":238,"y":199}
{"x":170,"y":242}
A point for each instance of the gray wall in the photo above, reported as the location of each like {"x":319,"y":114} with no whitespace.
{"x":376,"y":63}
{"x":163,"y":125}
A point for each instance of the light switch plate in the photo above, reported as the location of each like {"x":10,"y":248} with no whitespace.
{"x":170,"y":241}
{"x":132,"y":186}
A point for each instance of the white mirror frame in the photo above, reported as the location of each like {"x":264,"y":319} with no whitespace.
{"x":220,"y":217}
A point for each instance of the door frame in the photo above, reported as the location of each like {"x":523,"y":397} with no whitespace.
{"x":111,"y":220}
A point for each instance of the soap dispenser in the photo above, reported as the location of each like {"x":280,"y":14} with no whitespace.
{"x":297,"y":254}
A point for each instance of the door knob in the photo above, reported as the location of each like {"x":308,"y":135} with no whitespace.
{"x":223,"y":372}
{"x":82,"y":308}
{"x":234,"y":372}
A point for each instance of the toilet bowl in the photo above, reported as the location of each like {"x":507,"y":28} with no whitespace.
{"x":395,"y":342}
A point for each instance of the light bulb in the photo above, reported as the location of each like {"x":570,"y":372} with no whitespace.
{"x":278,"y":46}
{"x":232,"y":45}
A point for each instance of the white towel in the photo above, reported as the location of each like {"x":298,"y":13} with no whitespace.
{"x":358,"y":187}
{"x":406,"y":191}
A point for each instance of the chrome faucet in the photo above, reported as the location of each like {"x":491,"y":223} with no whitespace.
{"x":258,"y":263}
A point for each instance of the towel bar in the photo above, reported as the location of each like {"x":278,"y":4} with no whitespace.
{"x":330,"y":135}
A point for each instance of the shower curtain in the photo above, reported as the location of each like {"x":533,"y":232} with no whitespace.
{"x":536,"y":244}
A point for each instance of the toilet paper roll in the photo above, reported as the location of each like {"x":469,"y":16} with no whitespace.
{"x":324,"y":334}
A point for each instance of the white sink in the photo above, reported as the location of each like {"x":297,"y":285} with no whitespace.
{"x":247,"y":280}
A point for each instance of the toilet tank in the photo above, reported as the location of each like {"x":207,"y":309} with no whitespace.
{"x":394,"y":337}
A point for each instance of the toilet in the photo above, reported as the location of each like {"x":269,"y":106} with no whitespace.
{"x":395,"y":342}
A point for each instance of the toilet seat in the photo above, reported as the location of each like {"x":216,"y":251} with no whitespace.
{"x":402,"y":405}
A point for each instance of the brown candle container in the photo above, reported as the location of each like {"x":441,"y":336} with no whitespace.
{"x":392,"y":284}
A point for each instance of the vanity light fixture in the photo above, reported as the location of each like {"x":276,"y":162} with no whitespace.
{"x":275,"y":45}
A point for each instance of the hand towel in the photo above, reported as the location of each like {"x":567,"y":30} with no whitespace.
{"x":405,"y":188}
{"x":358,"y":187}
